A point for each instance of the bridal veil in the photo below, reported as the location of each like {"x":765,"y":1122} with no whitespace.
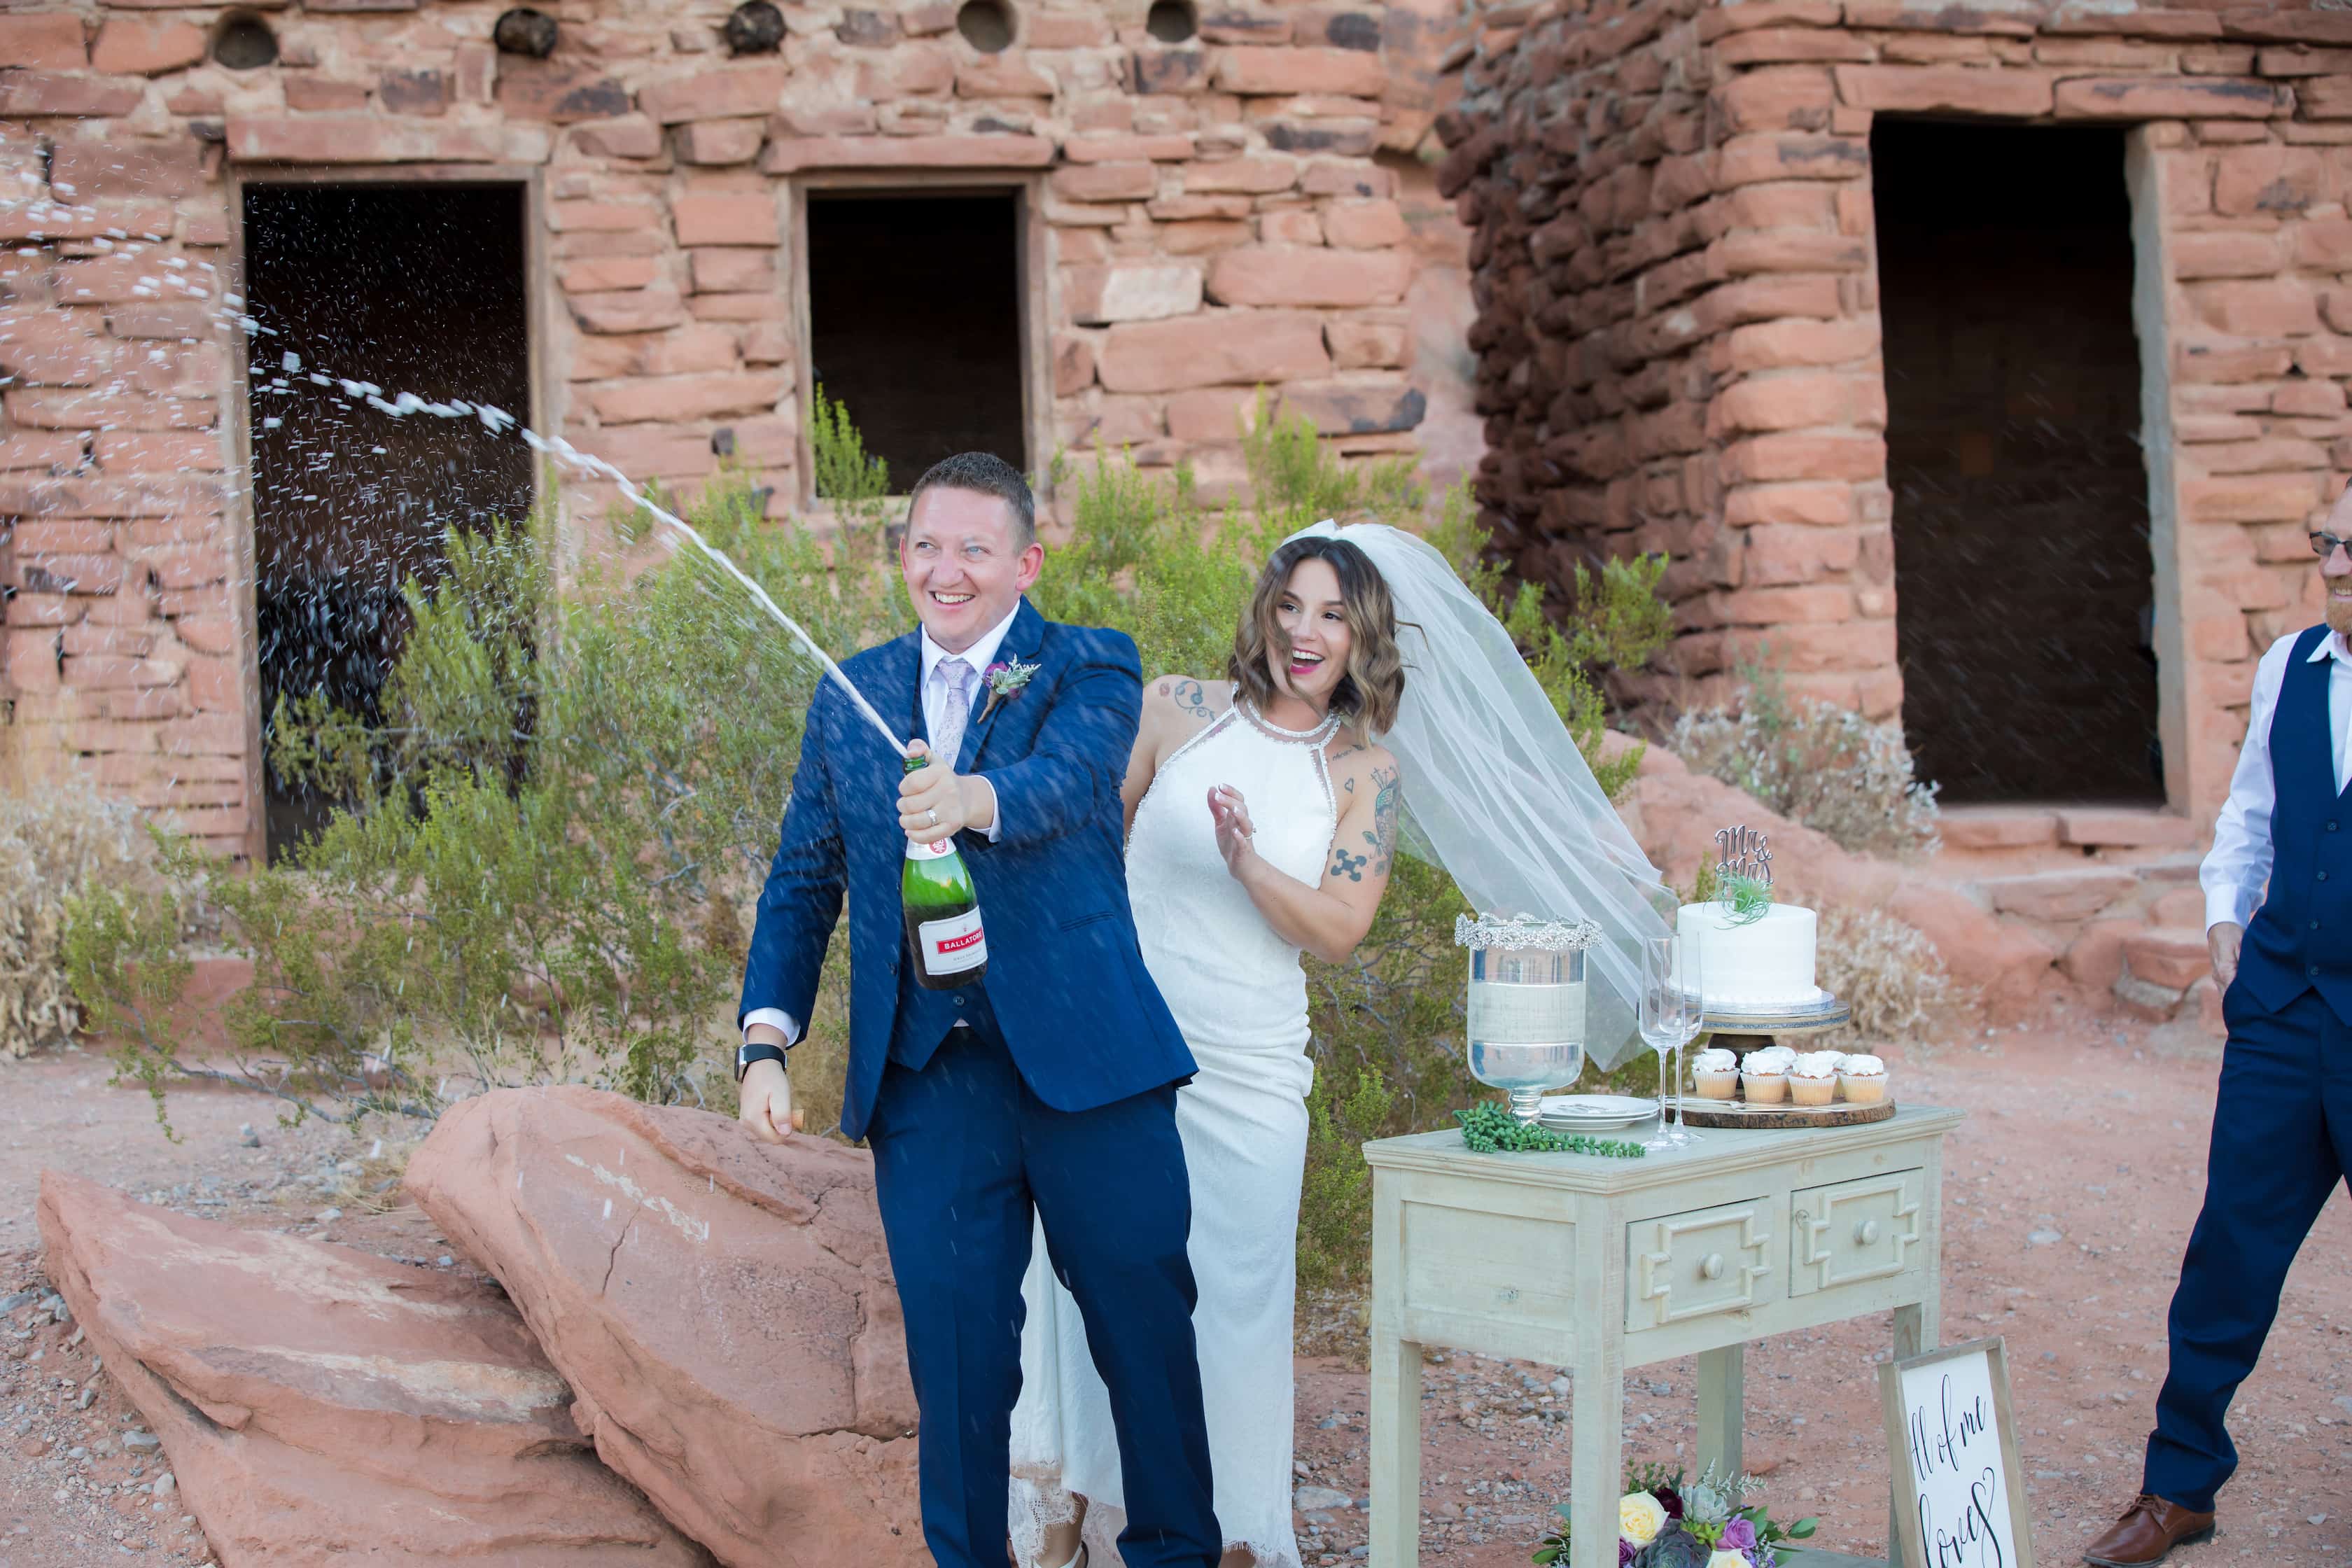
{"x":1496,"y":791}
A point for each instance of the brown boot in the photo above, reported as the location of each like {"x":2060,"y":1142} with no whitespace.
{"x":2146,"y":1533}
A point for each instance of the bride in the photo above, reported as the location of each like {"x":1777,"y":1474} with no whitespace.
{"x":1264,"y":812}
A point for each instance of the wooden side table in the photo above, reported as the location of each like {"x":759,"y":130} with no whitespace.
{"x":1599,"y":1266}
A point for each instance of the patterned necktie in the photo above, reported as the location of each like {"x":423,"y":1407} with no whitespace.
{"x":952,"y":676}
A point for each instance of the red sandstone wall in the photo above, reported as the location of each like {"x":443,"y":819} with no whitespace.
{"x":1679,"y":331}
{"x":1217,"y":216}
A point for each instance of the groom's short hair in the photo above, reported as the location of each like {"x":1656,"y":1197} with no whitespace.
{"x":986,"y":474}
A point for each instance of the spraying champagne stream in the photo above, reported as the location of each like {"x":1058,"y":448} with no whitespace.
{"x":497,"y":419}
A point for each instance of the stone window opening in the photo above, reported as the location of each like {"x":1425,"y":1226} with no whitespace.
{"x":986,"y":25}
{"x":1172,"y":21}
{"x":2025,"y":578}
{"x":244,"y":42}
{"x":412,"y":288}
{"x":918,"y":321}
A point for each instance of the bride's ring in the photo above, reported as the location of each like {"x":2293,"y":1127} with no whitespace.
{"x":935,"y":817}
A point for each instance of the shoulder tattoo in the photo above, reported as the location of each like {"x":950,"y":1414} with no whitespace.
{"x":1191,"y":698}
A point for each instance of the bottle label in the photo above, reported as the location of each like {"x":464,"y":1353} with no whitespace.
{"x":953,"y":945}
{"x":938,"y":851}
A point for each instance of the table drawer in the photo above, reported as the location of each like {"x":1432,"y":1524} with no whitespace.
{"x":1851,"y":1233}
{"x":1692,"y":1265}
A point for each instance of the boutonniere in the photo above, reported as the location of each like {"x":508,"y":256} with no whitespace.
{"x":1004,"y":683}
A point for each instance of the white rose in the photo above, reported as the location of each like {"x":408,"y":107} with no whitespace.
{"x":1726,"y":1558}
{"x":1640,"y":1517}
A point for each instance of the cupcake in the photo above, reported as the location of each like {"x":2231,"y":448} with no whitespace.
{"x":1864,"y":1078}
{"x":1813,"y":1078}
{"x":1765,"y":1077}
{"x":1716,"y":1073}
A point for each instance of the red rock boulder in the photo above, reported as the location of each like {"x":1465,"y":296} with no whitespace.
{"x":723,"y":1308}
{"x":323,"y":1405}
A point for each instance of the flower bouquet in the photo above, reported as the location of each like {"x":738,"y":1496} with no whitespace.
{"x":1665,"y":1522}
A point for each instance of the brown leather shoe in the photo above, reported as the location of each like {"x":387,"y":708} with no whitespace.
{"x":2146,"y":1533}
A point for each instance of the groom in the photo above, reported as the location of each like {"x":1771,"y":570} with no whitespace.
{"x":1048,"y":1089}
{"x":2278,"y":912}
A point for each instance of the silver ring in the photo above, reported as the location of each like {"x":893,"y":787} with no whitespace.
{"x":935,"y":818}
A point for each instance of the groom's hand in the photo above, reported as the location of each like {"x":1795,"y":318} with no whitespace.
{"x":935,"y":801}
{"x":766,"y":1102}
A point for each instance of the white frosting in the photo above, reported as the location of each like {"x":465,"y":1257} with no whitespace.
{"x":1767,"y":962}
{"x":1863,"y":1067}
{"x":1778,"y":1057}
{"x":1765,"y":1068}
{"x":1714,"y":1058}
{"x":1816,"y":1064}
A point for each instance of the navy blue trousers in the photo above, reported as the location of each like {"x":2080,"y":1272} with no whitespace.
{"x":2282,"y":1141}
{"x":965,"y":1156}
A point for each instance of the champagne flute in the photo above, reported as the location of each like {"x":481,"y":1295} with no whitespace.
{"x":1670,"y":1015}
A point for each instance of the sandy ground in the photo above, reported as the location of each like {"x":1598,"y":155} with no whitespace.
{"x":2069,"y":1191}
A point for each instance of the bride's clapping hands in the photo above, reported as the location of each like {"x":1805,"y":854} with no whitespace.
{"x":1230,"y":811}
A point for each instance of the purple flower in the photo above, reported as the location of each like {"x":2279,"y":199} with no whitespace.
{"x":1739,"y":1536}
{"x":1670,"y":1500}
{"x":1625,"y":1551}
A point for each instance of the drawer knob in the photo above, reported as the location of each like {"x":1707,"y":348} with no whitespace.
{"x":1713,"y":1267}
{"x":1866,"y":1233}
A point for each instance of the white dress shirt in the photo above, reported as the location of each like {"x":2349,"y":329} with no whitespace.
{"x":2239,"y":866}
{"x":979,"y":656}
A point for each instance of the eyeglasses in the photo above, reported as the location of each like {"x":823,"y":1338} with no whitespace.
{"x":2326,"y":544}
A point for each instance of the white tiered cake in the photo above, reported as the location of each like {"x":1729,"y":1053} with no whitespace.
{"x":1765,"y":965}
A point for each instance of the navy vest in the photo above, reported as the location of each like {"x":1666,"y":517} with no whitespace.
{"x":2301,"y":938}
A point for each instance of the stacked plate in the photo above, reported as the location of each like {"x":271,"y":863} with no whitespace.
{"x":1594,"y":1112}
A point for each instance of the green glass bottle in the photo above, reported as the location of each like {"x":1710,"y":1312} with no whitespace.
{"x":942,"y":910}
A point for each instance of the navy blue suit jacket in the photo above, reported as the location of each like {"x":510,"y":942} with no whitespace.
{"x":1065,"y":980}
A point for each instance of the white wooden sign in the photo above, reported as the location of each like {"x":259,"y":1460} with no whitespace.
{"x":1959,"y":1500}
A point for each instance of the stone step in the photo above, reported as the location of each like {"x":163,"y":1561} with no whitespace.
{"x":2172,"y":956}
{"x":1997,"y":826}
{"x":2125,"y":827}
{"x":2060,"y":897}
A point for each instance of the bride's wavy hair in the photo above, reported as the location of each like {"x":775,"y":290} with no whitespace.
{"x":1368,"y":694}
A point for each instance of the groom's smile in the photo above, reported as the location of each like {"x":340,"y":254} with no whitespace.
{"x":965,"y":563}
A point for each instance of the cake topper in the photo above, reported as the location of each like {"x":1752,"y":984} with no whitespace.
{"x":1745,"y":855}
{"x":1743,"y":878}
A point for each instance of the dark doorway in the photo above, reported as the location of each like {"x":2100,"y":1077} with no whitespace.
{"x":412,"y":289}
{"x":915,"y":322}
{"x":2024,"y":580}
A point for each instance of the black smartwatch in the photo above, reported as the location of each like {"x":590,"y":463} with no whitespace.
{"x":745,"y":1055}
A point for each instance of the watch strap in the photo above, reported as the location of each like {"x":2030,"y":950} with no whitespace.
{"x":746,"y":1055}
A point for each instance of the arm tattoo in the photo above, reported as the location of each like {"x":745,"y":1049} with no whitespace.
{"x":1388,"y":807}
{"x":1346,"y":865}
{"x":1193,"y":697}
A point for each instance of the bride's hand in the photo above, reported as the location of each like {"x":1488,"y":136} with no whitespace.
{"x":1230,"y":815}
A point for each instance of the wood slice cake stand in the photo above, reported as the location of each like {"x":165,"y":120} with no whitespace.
{"x":1741,"y":1033}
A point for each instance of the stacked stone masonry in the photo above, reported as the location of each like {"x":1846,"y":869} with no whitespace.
{"x":1217,"y":216}
{"x":1678,"y":334}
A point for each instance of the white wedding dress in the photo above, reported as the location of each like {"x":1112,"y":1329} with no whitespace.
{"x":1238,"y":994}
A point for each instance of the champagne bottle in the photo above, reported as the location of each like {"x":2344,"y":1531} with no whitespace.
{"x":941,"y":908}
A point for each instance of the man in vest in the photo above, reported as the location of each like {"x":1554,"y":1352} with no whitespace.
{"x":2282,"y":1122}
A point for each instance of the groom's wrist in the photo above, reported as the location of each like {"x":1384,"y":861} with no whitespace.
{"x":979,"y":803}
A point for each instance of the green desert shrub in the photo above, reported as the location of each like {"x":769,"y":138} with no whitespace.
{"x":1817,"y":764}
{"x":547,"y":852}
{"x":1886,"y":971}
{"x":54,"y":844}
